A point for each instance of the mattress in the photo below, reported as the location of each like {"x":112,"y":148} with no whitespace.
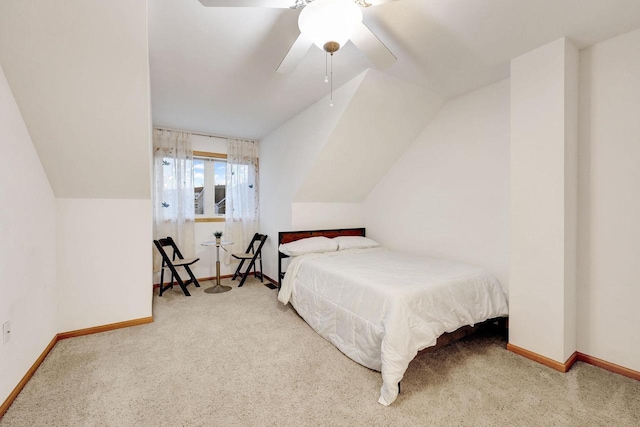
{"x":381,"y":307}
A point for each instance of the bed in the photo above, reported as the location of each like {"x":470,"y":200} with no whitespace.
{"x":380,"y":307}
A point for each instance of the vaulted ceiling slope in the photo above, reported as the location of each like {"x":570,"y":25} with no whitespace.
{"x":384,"y":116}
{"x":214,"y":69}
{"x":79,"y":73}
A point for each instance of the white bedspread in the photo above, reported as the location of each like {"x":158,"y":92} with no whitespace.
{"x":381,"y":307}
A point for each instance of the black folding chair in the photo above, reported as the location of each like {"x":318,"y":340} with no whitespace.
{"x":252,"y":254}
{"x":172,"y":263}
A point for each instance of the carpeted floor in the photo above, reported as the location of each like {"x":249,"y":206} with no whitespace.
{"x":242,"y":359}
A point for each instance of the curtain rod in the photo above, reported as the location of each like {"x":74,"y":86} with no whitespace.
{"x":202,"y":134}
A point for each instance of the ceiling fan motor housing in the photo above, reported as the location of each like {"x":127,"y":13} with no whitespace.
{"x":331,"y":47}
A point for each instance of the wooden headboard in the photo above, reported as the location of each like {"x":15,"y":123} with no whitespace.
{"x":292,"y":236}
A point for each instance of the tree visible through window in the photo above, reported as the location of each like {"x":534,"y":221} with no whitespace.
{"x":209,"y":181}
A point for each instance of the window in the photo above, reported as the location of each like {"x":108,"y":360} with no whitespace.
{"x":209,"y":186}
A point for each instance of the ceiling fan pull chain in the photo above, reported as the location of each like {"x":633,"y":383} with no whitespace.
{"x":331,"y":101}
{"x":326,"y":67}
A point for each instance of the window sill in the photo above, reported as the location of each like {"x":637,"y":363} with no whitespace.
{"x":210,"y":219}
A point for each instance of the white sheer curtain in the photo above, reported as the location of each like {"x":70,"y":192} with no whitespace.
{"x":242,"y":207}
{"x":173,"y":213}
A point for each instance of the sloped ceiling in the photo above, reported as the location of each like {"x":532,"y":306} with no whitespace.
{"x":214,"y":69}
{"x":79,"y":72}
{"x":383,"y":118}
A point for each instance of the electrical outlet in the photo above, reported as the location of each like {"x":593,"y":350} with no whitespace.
{"x":6,"y":332}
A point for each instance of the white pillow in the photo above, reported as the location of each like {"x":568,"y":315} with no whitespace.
{"x":308,"y":246}
{"x":354,"y":242}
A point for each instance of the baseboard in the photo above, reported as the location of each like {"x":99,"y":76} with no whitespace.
{"x":104,"y":328}
{"x":200,"y":279}
{"x":609,"y":366}
{"x":575,"y":357}
{"x":61,"y":336}
{"x":16,"y":391}
{"x":558,"y":366}
{"x":206,"y":279}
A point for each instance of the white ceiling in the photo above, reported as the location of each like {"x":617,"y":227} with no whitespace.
{"x":213,"y":69}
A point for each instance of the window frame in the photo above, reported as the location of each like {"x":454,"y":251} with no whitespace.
{"x":210,"y":156}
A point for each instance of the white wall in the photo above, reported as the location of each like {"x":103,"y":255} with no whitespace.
{"x":609,"y":201}
{"x":104,"y":261}
{"x":319,"y":216}
{"x":286,"y":156}
{"x":383,"y":118}
{"x":80,"y":76}
{"x":542,"y":307}
{"x":317,"y":168}
{"x":27,"y":248}
{"x":79,"y":72}
{"x":448,"y":195}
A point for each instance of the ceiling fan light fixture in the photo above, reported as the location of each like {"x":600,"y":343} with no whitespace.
{"x":329,"y":23}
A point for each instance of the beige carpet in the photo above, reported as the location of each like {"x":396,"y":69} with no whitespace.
{"x":242,"y":359}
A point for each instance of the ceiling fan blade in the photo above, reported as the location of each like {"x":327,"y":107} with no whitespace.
{"x":379,"y":2}
{"x":371,"y":45}
{"x":297,"y":51}
{"x":284,"y":4}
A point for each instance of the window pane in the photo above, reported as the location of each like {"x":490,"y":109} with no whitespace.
{"x":220,"y":180}
{"x":198,"y":172}
{"x":209,"y":181}
{"x":221,"y":172}
{"x":198,"y":185}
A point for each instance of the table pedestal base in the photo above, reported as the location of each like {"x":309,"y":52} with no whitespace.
{"x":217,"y":289}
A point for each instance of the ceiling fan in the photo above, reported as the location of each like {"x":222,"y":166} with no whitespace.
{"x":329,"y":24}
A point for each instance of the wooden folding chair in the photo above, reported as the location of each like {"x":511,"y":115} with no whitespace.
{"x":252,"y":254}
{"x":172,"y":263}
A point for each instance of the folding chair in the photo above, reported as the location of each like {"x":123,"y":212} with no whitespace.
{"x":252,"y":254}
{"x":172,"y":263}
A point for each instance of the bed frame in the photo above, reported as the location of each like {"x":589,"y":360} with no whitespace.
{"x":292,"y":236}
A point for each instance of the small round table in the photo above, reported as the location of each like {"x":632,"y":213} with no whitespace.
{"x":217,"y":288}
